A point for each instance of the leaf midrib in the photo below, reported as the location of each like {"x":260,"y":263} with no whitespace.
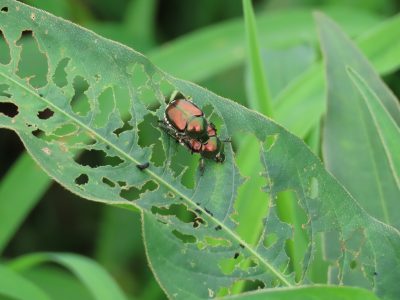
{"x":156,"y":177}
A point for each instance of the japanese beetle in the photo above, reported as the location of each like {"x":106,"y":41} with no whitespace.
{"x":186,"y":119}
{"x":185,"y":122}
{"x":213,"y":149}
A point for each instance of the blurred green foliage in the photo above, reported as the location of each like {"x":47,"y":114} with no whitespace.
{"x":60,"y":221}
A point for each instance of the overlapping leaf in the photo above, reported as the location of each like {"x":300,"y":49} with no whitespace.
{"x":357,"y":156}
{"x":79,"y":108}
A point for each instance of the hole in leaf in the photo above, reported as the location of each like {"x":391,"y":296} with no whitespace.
{"x":248,"y":263}
{"x":182,"y":162}
{"x":353,"y":264}
{"x":247,"y":158}
{"x":108,"y":182}
{"x":133,"y":193}
{"x":198,"y":221}
{"x":4,"y":50}
{"x":185,"y":238}
{"x":139,"y":76}
{"x":296,"y":245}
{"x":66,"y":130}
{"x":124,"y":128}
{"x":178,"y":210}
{"x":252,"y":285}
{"x":165,"y":87}
{"x":123,"y":104}
{"x":270,"y":239}
{"x":80,"y":101}
{"x":222,"y":292}
{"x":270,"y":141}
{"x":60,"y":76}
{"x":147,"y":96}
{"x":149,"y":136}
{"x":33,"y":63}
{"x":3,"y":91}
{"x":96,"y":158}
{"x":106,"y":103}
{"x":82,"y":179}
{"x":4,"y":9}
{"x":217,"y":242}
{"x":38,"y":133}
{"x":227,"y":265}
{"x":45,"y":114}
{"x":8,"y":109}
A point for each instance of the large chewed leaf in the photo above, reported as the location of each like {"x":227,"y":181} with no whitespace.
{"x":354,"y":150}
{"x":88,"y":115}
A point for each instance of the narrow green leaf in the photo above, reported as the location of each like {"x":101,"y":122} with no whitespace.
{"x":385,"y":127}
{"x":16,"y":202}
{"x":57,"y":282}
{"x":311,"y":293}
{"x":140,"y":20}
{"x":17,"y":287}
{"x":258,"y":80}
{"x":353,"y":149}
{"x":92,"y":275}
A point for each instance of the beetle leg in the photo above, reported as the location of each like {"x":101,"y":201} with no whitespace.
{"x":168,"y":130}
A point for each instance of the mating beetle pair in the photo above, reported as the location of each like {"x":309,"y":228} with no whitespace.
{"x":186,"y":123}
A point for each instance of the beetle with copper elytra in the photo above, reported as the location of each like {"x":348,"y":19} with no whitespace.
{"x":186,"y":123}
{"x":186,"y":119}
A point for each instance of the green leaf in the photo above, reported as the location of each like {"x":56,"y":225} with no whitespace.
{"x":315,"y":292}
{"x":185,"y":57}
{"x":92,"y":275}
{"x":35,"y":183}
{"x":353,"y":147}
{"x":387,"y":130}
{"x":300,"y":106}
{"x":191,"y":219}
{"x":57,"y":282}
{"x":17,"y":287}
{"x":289,"y":62}
{"x":258,"y":80}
